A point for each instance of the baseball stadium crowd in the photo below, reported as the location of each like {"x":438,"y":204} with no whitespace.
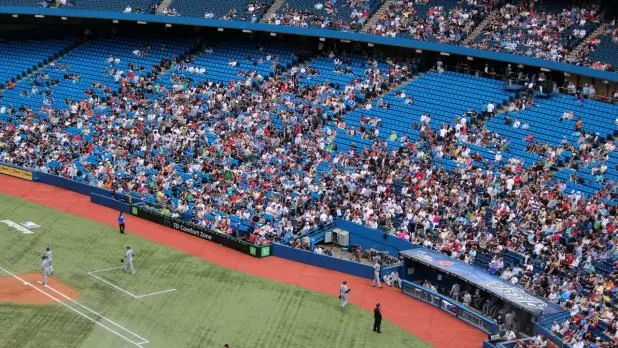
{"x":263,"y":149}
{"x":526,"y":29}
{"x":549,"y":29}
{"x":327,"y":15}
{"x":427,"y":22}
{"x":593,"y":43}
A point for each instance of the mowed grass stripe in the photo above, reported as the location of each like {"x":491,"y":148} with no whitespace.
{"x":210,"y":307}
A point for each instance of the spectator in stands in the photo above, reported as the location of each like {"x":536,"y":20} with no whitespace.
{"x":526,"y":29}
{"x":253,"y":150}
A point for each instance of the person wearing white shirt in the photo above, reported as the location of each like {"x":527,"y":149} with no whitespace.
{"x":129,"y":261}
{"x":467,"y":298}
{"x":490,"y":108}
{"x":45,"y":264}
{"x":343,"y":294}
{"x":376,"y":275}
{"x":510,"y":335}
{"x":49,"y":255}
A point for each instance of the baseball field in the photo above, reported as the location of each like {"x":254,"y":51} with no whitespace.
{"x":173,"y":300}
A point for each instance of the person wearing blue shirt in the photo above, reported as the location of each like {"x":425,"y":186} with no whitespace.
{"x":121,"y":222}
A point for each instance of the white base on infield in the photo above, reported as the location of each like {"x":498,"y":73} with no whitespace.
{"x":92,"y":274}
{"x":86,"y":312}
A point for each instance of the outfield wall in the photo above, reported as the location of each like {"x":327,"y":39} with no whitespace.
{"x":311,"y":32}
{"x":323,"y":261}
{"x":110,"y":203}
{"x":329,"y":262}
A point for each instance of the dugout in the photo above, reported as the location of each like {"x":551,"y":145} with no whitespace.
{"x":491,"y":295}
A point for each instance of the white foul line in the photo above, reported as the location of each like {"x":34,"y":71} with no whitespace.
{"x":121,"y":289}
{"x":112,"y":285}
{"x":156,"y":293}
{"x":99,"y":315}
{"x":107,"y":269}
{"x":138,"y":344}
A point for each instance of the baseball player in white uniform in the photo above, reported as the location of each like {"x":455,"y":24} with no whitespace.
{"x":45,"y":264}
{"x":343,"y":294}
{"x":48,"y":253}
{"x":128,"y":266}
{"x":376,"y":275}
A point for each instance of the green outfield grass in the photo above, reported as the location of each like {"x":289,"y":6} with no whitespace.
{"x":211,"y":306}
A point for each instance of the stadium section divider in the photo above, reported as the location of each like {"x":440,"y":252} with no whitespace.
{"x":69,"y":184}
{"x":369,"y":238}
{"x":313,"y":32}
{"x":110,"y":203}
{"x":322,"y":261}
{"x":488,"y":344}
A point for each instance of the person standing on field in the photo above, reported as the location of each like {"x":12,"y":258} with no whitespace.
{"x":45,"y":269}
{"x":343,"y":294}
{"x":121,"y":222}
{"x":48,"y":253}
{"x":377,"y":318}
{"x":128,"y":267}
{"x":376,"y":275}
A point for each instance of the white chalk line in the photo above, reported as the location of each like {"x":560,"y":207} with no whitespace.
{"x":106,"y":269}
{"x":138,"y":344}
{"x":92,"y":274}
{"x":112,"y":285}
{"x":156,"y":293}
{"x":143,"y":340}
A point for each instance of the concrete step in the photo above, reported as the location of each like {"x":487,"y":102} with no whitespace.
{"x":374,"y":18}
{"x":479,"y":28}
{"x":575,"y":52}
{"x":272,"y":10}
{"x":163,"y":6}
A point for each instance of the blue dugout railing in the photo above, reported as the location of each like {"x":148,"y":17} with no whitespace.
{"x":448,"y":305}
{"x":314,"y":32}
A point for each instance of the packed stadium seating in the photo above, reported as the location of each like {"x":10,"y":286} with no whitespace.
{"x":278,"y":139}
{"x":548,"y":30}
{"x":436,"y":20}
{"x":139,"y":6}
{"x":605,"y":51}
{"x":339,"y":15}
{"x":242,"y":10}
{"x":541,"y":31}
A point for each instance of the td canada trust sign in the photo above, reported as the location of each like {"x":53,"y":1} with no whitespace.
{"x":191,"y":230}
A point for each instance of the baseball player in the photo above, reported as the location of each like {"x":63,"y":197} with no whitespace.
{"x":343,"y":294}
{"x":128,"y":267}
{"x":48,"y":253}
{"x":376,"y":275}
{"x":45,"y":264}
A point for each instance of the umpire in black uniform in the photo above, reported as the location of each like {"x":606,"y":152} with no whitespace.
{"x":377,"y":318}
